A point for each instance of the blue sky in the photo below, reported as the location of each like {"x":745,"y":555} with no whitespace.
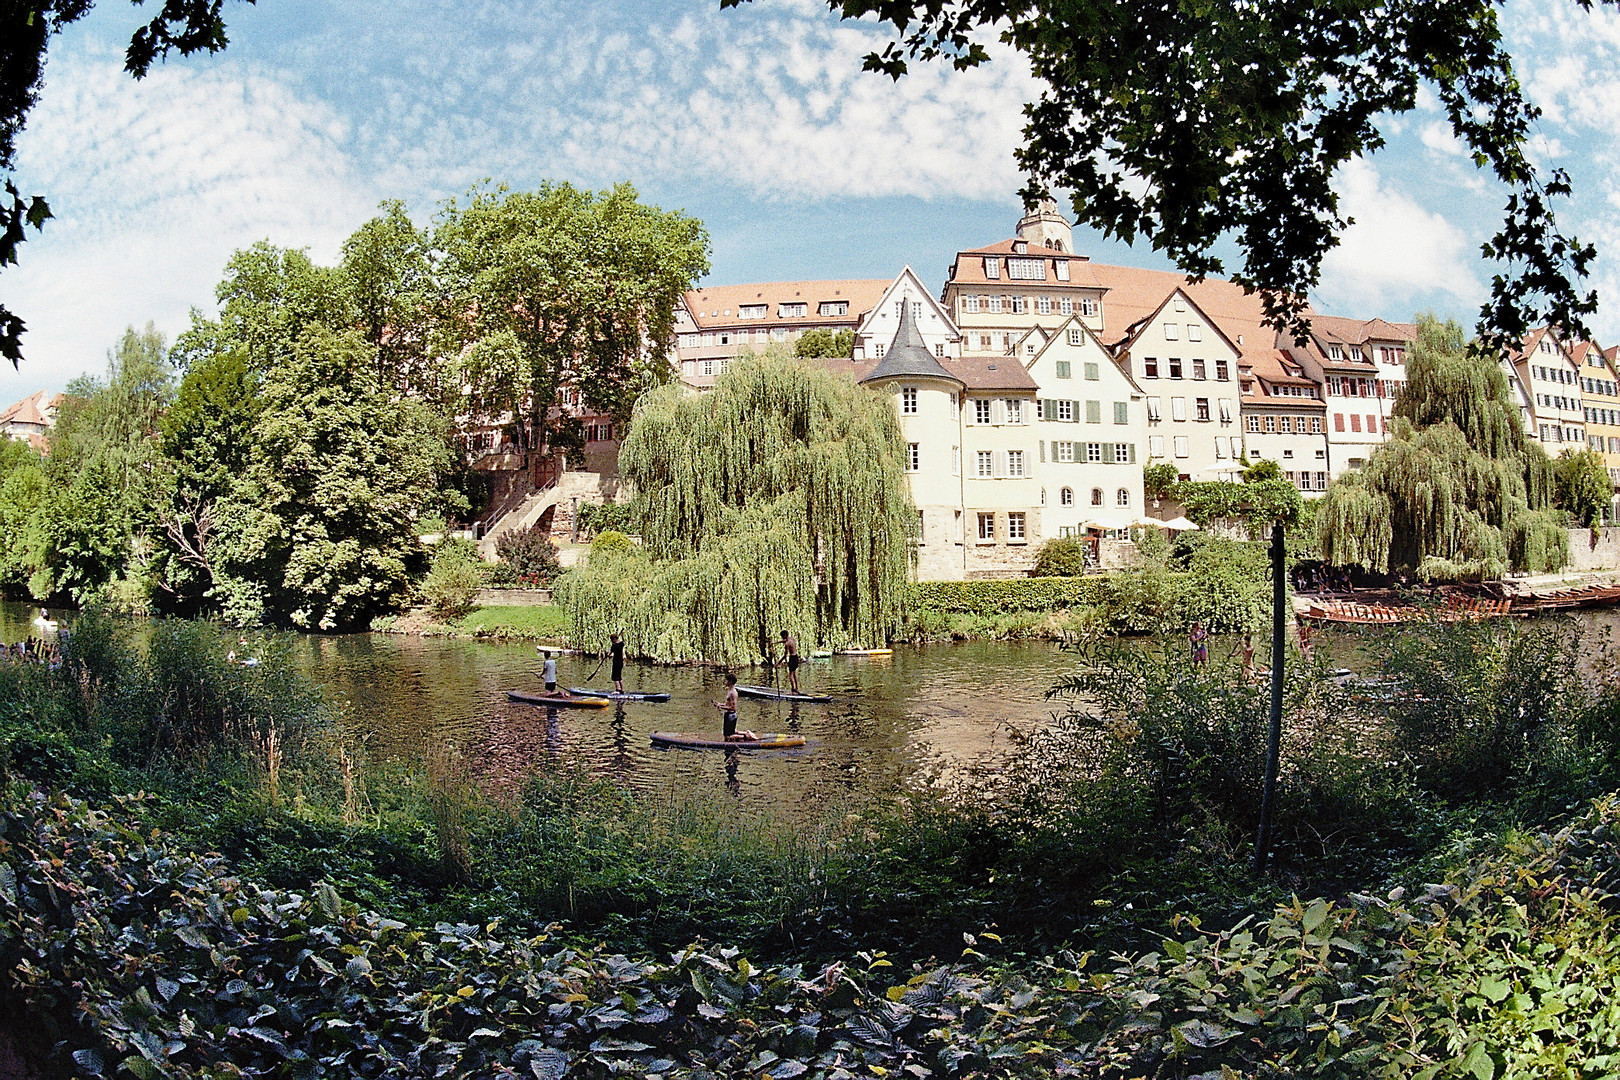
{"x":758,"y":121}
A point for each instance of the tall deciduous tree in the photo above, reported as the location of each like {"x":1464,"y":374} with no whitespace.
{"x":388,"y":276}
{"x":1458,"y":491}
{"x":568,"y":286}
{"x":1187,"y":123}
{"x":1583,"y":485}
{"x":777,"y":502}
{"x":26,"y":29}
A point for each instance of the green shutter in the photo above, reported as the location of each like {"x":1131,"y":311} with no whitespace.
{"x":1121,"y":413}
{"x":1133,"y":453}
{"x":1091,"y":372}
{"x":1042,"y":444}
{"x":1108,"y":453}
{"x":1093,"y":412}
{"x":1074,"y":412}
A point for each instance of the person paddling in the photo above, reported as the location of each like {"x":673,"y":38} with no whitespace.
{"x":617,"y":652}
{"x":549,"y":673}
{"x":728,"y":714}
{"x":790,"y":656}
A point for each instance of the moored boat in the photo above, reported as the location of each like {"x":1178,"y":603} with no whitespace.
{"x":558,"y":700}
{"x":773,"y":694}
{"x":707,"y":741}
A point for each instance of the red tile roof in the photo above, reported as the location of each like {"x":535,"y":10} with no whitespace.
{"x":717,"y":306}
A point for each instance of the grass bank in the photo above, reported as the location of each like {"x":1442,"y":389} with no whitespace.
{"x":521,"y":622}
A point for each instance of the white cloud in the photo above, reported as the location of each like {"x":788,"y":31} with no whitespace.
{"x":1395,"y":249}
{"x":154,"y":184}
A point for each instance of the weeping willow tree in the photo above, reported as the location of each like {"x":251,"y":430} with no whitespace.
{"x":774,"y":503}
{"x":1458,"y":492}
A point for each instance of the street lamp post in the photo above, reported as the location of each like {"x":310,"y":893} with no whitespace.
{"x":1279,"y":598}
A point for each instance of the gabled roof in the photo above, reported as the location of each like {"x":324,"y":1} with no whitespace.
{"x":968,"y":266}
{"x":38,"y":410}
{"x":1532,"y":342}
{"x":716,"y":306}
{"x":1059,"y":335}
{"x":991,"y":373}
{"x":907,"y":357}
{"x":905,"y":282}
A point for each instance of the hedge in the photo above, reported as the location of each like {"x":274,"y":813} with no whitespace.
{"x":1014,"y":595}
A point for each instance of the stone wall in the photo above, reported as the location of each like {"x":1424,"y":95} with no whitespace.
{"x":1594,"y":549}
{"x":512,"y":597}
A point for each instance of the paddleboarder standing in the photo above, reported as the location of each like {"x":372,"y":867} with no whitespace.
{"x":790,"y":655}
{"x":617,"y":652}
{"x":728,"y":713}
{"x":550,"y":676}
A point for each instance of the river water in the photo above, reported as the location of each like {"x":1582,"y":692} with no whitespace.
{"x":892,"y":719}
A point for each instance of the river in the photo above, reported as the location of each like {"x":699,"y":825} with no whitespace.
{"x":926,"y":708}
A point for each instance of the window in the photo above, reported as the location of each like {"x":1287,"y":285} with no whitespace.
{"x":908,"y":399}
{"x":1122,"y":453}
{"x":981,"y":411}
{"x":753,"y":311}
{"x":1153,"y":410}
{"x":1195,"y":333}
{"x":708,"y":367}
{"x":970,"y":304}
{"x":1335,"y":353}
{"x":1237,"y":446}
{"x":1156,"y":446}
{"x":1094,"y":453}
{"x":1171,"y":331}
{"x":1198,"y":369}
{"x":994,"y":303}
{"x":1181,"y":446}
{"x":1287,"y":423}
{"x":1096,"y":497}
{"x":1015,"y":410}
{"x":1178,"y":408}
{"x":877,"y":350}
{"x":1226,"y":410}
{"x":1202,"y":405}
{"x":939,"y":349}
{"x":1063,"y":370}
{"x":1321,"y":481}
{"x":834,"y":307}
{"x":1065,"y":411}
{"x":1015,"y":463}
{"x":1026,"y":269}
{"x":913,"y":457}
{"x":1063,"y":452}
{"x":1122,"y":497}
{"x":1288,"y":453}
{"x":1091,"y":372}
{"x":1175,"y":367}
{"x":992,"y":268}
{"x":1253,"y":422}
{"x":1074,"y":337}
{"x":1122,"y":412}
{"x":1015,"y":525}
{"x":1065,"y":306}
{"x":1220,"y":448}
{"x":956,"y":461}
{"x":1093,"y":412}
{"x":987,"y":526}
{"x":1043,"y":305}
{"x":790,"y":311}
{"x":1066,"y":497}
{"x":1018,"y":306}
{"x":987,"y":463}
{"x":1062,"y":268}
{"x":984,"y":342}
{"x":1088,"y":306}
{"x":1150,"y":367}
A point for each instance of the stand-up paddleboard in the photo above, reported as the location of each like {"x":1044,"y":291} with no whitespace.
{"x":558,"y":700}
{"x":864,"y":652}
{"x":707,"y":741}
{"x":774,"y":694}
{"x":614,"y":695}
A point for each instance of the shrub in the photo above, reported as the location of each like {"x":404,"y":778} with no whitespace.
{"x":1061,"y":556}
{"x":1005,"y":597}
{"x":453,"y":581}
{"x":610,"y":540}
{"x":599,"y":517}
{"x":531,"y":555}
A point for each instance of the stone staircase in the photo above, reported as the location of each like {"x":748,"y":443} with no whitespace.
{"x":561,"y":497}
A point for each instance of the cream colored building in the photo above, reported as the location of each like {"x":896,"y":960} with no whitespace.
{"x":1553,"y":381}
{"x":1283,"y":421}
{"x":933,"y":320}
{"x":1091,"y":434}
{"x":1187,"y":368}
{"x":715,"y":323}
{"x":1360,"y":365}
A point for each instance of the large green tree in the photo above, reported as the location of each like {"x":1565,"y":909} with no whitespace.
{"x":1190,"y":124}
{"x":564,"y":286}
{"x":1458,"y":491}
{"x":1583,"y":485}
{"x":26,"y":29}
{"x":776,"y":502}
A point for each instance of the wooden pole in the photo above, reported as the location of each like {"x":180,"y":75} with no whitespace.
{"x":1279,"y":600}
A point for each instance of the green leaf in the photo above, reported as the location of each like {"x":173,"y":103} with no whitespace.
{"x":1494,"y":989}
{"x":1478,"y":1062}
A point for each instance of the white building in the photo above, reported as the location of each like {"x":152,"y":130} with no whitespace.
{"x":1552,"y":379}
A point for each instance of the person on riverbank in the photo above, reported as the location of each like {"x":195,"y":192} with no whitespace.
{"x":1198,"y":642}
{"x":790,"y":656}
{"x":616,"y":651}
{"x":1248,"y":658}
{"x":728,"y":714}
{"x":1305,"y":642}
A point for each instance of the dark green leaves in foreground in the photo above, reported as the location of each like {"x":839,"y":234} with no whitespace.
{"x":137,"y":959}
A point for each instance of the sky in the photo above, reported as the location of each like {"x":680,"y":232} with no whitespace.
{"x":759,"y":121}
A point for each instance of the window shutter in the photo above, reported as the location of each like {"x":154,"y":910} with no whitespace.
{"x":1042,"y":444}
{"x":1108,"y":453}
{"x":1075,"y":411}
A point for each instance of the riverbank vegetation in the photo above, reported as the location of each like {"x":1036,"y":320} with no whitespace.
{"x":1137,"y":805}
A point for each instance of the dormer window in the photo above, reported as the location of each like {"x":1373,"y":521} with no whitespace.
{"x":1061,"y":266}
{"x":791,"y":311}
{"x":992,"y":268}
{"x":1335,"y":353}
{"x":830,"y":307}
{"x":1020,"y":246}
{"x":751,"y":311}
{"x":1026,"y":269}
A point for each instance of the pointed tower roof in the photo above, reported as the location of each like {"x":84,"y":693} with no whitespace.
{"x":907,"y":357}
